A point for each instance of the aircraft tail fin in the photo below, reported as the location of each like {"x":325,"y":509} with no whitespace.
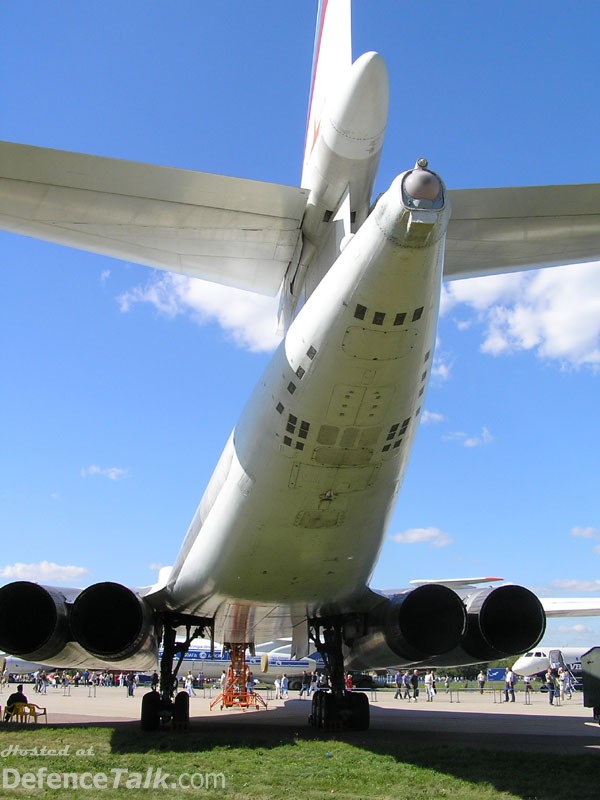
{"x":332,"y":55}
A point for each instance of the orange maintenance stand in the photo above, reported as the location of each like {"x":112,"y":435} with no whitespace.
{"x":235,"y":691}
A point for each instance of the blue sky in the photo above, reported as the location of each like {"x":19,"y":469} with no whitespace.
{"x":121,"y":385}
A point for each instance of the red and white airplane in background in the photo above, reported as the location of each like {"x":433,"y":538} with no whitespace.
{"x":288,"y":531}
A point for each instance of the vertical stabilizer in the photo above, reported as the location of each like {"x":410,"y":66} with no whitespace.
{"x":332,"y":56}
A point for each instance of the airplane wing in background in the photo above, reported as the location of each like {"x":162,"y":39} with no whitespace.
{"x":571,"y":606}
{"x":513,"y":229}
{"x":232,"y":231}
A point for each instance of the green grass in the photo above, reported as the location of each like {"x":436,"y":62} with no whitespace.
{"x":275,"y":763}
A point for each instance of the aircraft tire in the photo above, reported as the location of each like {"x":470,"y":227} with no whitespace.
{"x":360,"y":712}
{"x":150,"y":714}
{"x":315,"y":718}
{"x":181,"y":710}
{"x":329,"y":712}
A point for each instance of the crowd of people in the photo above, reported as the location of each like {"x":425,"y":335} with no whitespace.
{"x":407,"y":685}
{"x":559,"y":683}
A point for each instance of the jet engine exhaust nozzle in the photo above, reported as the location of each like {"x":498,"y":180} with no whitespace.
{"x":34,"y":620}
{"x":409,"y":627}
{"x":112,"y":622}
{"x":502,"y":622}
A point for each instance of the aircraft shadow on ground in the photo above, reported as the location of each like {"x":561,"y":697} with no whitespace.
{"x":507,"y":766}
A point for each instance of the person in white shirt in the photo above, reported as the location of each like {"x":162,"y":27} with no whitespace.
{"x":429,"y":688}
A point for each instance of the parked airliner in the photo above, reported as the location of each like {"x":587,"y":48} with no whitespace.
{"x":537,"y":661}
{"x":291,"y":524}
{"x":210,"y":659}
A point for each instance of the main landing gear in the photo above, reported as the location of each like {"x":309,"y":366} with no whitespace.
{"x":164,"y":707}
{"x":335,"y":708}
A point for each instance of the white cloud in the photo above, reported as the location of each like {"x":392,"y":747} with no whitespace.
{"x":248,"y":319}
{"x":586,"y":533}
{"x":112,"y":473}
{"x":485,"y":437}
{"x":555,"y":313}
{"x":576,"y":586}
{"x":431,"y":417}
{"x":577,"y":628}
{"x":431,"y":536}
{"x":442,"y":364}
{"x":43,"y":572}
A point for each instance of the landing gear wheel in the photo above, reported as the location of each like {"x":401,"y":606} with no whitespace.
{"x":181,"y":711}
{"x":316,"y":712}
{"x":360,"y":713}
{"x":330,"y":718}
{"x":150,"y":716}
{"x":337,"y":708}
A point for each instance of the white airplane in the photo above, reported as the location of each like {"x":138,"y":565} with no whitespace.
{"x":267,"y":663}
{"x":210,"y":660}
{"x":289,"y":529}
{"x":538,"y":660}
{"x":11,"y":665}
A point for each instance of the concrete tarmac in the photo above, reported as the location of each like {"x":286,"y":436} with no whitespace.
{"x":461,"y":718}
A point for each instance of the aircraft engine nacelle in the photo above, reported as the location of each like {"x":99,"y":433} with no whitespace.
{"x":115,"y":624}
{"x":106,"y":625}
{"x":34,"y":622}
{"x":501,"y":622}
{"x":409,"y":627}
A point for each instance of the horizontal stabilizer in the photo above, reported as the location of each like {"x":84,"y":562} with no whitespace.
{"x":232,"y":231}
{"x":492,"y":231}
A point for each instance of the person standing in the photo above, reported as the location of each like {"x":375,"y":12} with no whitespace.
{"x":429,"y":691}
{"x":398,"y":682}
{"x":414,"y":682}
{"x":550,"y":685}
{"x":284,"y":686}
{"x":305,"y":684}
{"x":188,"y":684}
{"x":563,"y":682}
{"x":509,"y":685}
{"x":406,"y":685}
{"x":481,"y":678}
{"x":568,"y":684}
